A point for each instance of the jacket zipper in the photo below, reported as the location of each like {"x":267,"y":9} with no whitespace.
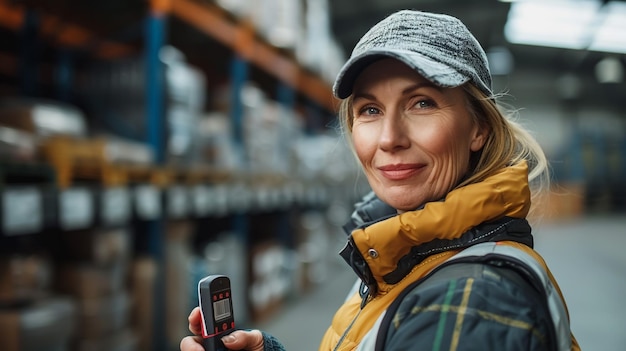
{"x":364,"y":301}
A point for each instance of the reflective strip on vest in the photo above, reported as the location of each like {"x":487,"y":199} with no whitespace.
{"x":368,"y":343}
{"x":555,"y":303}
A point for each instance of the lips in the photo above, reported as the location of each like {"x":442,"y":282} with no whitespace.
{"x":400,"y":171}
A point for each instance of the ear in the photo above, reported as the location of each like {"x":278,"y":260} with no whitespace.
{"x":479,"y":138}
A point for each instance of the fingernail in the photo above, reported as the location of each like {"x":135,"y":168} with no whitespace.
{"x":228,"y":339}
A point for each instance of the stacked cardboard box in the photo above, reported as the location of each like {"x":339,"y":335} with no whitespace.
{"x":94,"y":272}
{"x":31,"y":316}
{"x":178,"y":255}
{"x":142,"y":282}
{"x":271,"y":279}
{"x":42,"y":324}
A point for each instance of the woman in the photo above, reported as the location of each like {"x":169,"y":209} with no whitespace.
{"x":452,"y":266}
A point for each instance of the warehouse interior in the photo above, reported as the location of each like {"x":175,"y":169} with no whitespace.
{"x":145,"y":144}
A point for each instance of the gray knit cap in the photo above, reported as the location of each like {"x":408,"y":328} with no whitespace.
{"x":439,"y":47}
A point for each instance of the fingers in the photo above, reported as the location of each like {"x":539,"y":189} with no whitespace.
{"x":191,"y":343}
{"x":195,"y":321}
{"x":241,"y":339}
{"x":237,"y":340}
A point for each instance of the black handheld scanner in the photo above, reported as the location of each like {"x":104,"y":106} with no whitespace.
{"x":216,"y":308}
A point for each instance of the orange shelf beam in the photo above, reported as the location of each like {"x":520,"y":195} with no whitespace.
{"x":207,"y":18}
{"x":241,"y":38}
{"x":62,"y":33}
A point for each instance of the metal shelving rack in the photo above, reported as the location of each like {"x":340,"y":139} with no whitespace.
{"x":292,"y":82}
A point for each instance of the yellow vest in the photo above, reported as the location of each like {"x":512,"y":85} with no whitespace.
{"x":504,"y":194}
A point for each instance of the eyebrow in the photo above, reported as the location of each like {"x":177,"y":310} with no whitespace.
{"x":419,"y":85}
{"x":405,"y":91}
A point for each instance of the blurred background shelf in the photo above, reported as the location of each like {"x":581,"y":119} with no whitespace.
{"x":147,"y":144}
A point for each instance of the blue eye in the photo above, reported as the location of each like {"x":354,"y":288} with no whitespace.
{"x":426,"y":103}
{"x":369,"y":111}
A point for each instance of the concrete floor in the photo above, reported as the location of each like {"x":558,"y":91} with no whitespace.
{"x":586,"y":255}
{"x":588,"y":258}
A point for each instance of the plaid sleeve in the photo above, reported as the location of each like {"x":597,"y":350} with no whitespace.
{"x":270,"y":343}
{"x":485,"y":312}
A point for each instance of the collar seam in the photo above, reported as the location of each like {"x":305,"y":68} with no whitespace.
{"x":456,"y":246}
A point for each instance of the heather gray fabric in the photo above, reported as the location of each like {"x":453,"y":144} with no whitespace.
{"x":439,"y":47}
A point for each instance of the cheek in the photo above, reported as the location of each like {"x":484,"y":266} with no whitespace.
{"x":449,"y":147}
{"x":364,"y":144}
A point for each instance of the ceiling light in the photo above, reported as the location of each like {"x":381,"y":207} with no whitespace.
{"x":574,"y":24}
{"x":569,"y":86}
{"x":556,"y":23}
{"x":609,"y":70}
{"x":610,"y":35}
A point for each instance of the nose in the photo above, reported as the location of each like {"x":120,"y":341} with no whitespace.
{"x":393,"y":135}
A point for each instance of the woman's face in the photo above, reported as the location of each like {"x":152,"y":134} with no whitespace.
{"x":414,"y":139}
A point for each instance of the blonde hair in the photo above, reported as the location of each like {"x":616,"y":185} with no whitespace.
{"x":508,"y":142}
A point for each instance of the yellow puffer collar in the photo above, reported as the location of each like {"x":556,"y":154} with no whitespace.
{"x":384,"y":243}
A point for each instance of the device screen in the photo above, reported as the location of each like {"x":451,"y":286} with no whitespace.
{"x":221,"y":305}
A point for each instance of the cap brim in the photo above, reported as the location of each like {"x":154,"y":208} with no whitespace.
{"x":436,"y":72}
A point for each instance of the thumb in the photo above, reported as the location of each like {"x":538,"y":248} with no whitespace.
{"x":244,"y":340}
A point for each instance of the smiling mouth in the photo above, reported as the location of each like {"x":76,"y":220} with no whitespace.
{"x":400,"y":172}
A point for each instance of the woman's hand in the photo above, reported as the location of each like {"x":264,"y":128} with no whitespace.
{"x":237,"y":340}
{"x":244,"y":340}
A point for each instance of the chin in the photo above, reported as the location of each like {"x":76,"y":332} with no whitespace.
{"x":402,"y":204}
{"x":402,"y":198}
{"x":404,"y":209}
